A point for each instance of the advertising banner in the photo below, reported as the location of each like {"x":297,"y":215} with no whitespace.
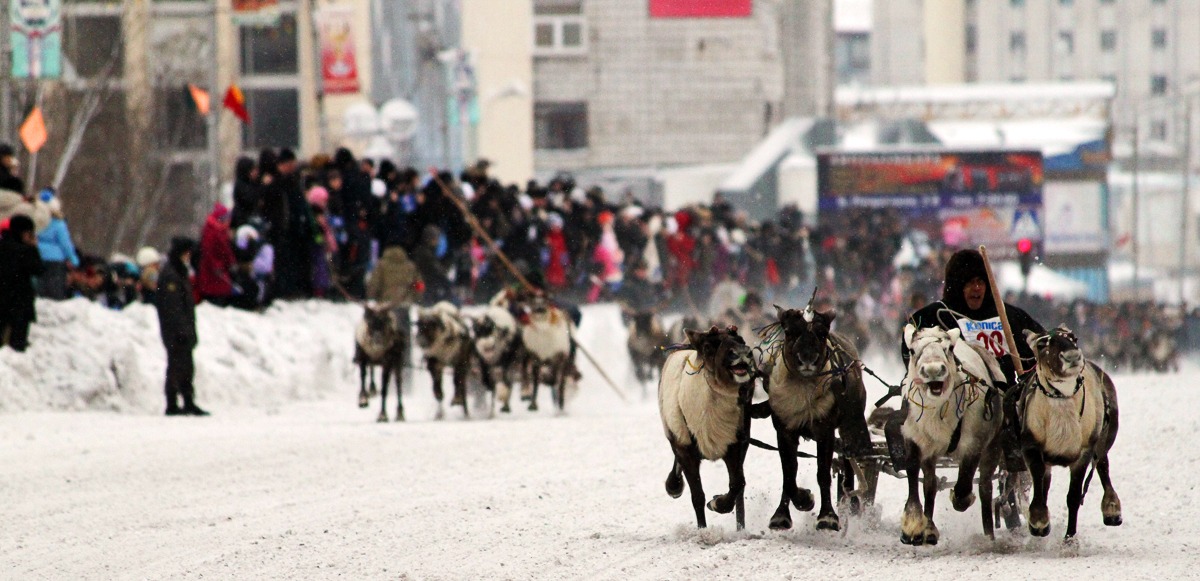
{"x":256,"y":12}
{"x":965,"y":198}
{"x":339,"y":70}
{"x":701,"y":8}
{"x":36,"y":37}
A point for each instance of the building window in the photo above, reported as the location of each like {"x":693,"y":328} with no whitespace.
{"x":558,"y":28}
{"x":1158,"y":38}
{"x":93,"y":45}
{"x":560,"y":125}
{"x":1108,"y":40}
{"x":972,"y":41}
{"x":1158,"y":130}
{"x":180,"y":125}
{"x":1016,"y":42}
{"x":1066,"y":43}
{"x":270,"y":50}
{"x":274,"y":118}
{"x":1158,"y":85}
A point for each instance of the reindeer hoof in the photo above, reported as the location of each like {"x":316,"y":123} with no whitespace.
{"x":439,"y":414}
{"x":931,"y":535}
{"x":674,"y":485}
{"x":911,"y":540}
{"x":399,"y":415}
{"x":504,"y":409}
{"x":382,"y":418}
{"x":373,"y":391}
{"x":1112,"y":520}
{"x":721,"y":504}
{"x":362,"y":401}
{"x":781,"y":522}
{"x":1039,"y":530}
{"x":828,"y":522}
{"x":458,"y":400}
{"x":960,"y":503}
{"x":803,"y":500}
{"x":533,"y":406}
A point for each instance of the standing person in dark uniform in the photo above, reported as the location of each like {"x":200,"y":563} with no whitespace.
{"x":20,"y":261}
{"x":177,"y":323}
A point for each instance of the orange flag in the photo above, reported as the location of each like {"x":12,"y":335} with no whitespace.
{"x":200,"y":96}
{"x":236,"y":102}
{"x":33,"y":131}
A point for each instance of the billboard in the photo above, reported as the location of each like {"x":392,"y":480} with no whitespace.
{"x":701,"y":8}
{"x":965,"y":198}
{"x":36,"y":37}
{"x":339,"y":68}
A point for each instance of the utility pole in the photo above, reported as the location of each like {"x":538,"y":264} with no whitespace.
{"x":1137,"y":218}
{"x":6,"y":97}
{"x":318,"y":77}
{"x":214,"y":109}
{"x":1184,"y":215}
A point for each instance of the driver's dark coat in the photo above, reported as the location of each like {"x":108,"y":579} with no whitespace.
{"x":946,"y":313}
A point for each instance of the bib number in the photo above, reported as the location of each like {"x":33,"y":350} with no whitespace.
{"x":989,"y":334}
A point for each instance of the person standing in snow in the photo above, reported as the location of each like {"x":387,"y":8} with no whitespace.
{"x":57,"y":250}
{"x":177,"y":324}
{"x":19,"y":263}
{"x":214,"y":281}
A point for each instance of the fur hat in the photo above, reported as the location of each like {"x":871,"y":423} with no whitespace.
{"x":318,"y":196}
{"x":963,"y":266}
{"x":146,"y":256}
{"x":219,"y":211}
{"x":55,"y":207}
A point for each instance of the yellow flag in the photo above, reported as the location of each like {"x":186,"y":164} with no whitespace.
{"x":33,"y":131}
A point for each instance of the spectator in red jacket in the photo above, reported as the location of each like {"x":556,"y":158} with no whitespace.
{"x":214,"y":282}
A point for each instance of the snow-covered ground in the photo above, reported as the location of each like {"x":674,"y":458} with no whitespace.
{"x":289,"y":479}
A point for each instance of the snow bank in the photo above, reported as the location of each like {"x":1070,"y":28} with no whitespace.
{"x":86,"y":357}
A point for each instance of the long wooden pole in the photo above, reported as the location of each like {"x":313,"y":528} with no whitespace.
{"x":999,"y":298}
{"x":475,"y":225}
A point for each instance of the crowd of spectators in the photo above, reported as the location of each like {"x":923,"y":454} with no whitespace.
{"x":297,"y":229}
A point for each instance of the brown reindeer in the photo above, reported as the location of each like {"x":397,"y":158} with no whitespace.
{"x":815,"y":390}
{"x":381,"y":340}
{"x":1068,"y":416}
{"x":703,"y":393}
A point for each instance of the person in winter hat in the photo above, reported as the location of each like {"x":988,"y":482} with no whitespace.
{"x":177,"y":326}
{"x":214,"y":282}
{"x":967,"y":304}
{"x":20,"y":262}
{"x":149,"y":260}
{"x":57,"y":250}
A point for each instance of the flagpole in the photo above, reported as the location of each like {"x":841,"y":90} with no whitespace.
{"x":214,"y":113}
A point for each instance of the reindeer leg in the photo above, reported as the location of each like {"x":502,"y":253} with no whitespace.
{"x":459,"y":378}
{"x":931,"y":489}
{"x":987,"y":470}
{"x":398,"y":375}
{"x":691,"y":471}
{"x":435,"y":372}
{"x":827,"y":518}
{"x":1075,"y":493}
{"x":1110,"y":506}
{"x":1039,"y":513}
{"x":787,"y":443}
{"x":912,"y":520}
{"x":674,"y":482}
{"x":961,"y":497}
{"x":383,"y":417}
{"x":560,"y":380}
{"x":724,"y":503}
{"x":529,"y":386}
{"x":535,"y":369}
{"x":363,"y":396}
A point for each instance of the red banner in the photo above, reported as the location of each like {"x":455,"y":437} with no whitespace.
{"x":701,"y":8}
{"x":339,"y":70}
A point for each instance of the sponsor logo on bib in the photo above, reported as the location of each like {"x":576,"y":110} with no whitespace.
{"x":988,"y":333}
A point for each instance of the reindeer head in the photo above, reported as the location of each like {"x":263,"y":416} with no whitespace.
{"x":806,"y":338}
{"x":932,"y":366}
{"x":643,"y":322}
{"x":1057,"y":352}
{"x":430,"y":327}
{"x":379,"y":320}
{"x":725,"y":353}
{"x":490,"y":338}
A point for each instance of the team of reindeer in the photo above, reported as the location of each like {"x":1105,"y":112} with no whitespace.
{"x":1066,"y":414}
{"x":514,"y":336}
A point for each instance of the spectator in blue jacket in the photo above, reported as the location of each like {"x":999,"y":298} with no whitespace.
{"x":57,"y":250}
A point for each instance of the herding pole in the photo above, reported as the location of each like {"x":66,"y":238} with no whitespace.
{"x":996,"y":296}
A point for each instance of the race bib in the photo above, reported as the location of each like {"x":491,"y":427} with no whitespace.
{"x":989,"y":333}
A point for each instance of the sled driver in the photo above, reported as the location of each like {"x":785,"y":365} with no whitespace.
{"x":968,"y":305}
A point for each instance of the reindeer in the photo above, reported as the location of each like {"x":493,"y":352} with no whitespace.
{"x":499,"y":349}
{"x":380,"y":340}
{"x":1068,"y":416}
{"x":953,"y":410}
{"x":550,"y":347}
{"x":703,"y":393}
{"x":446,"y":342}
{"x":806,"y":372}
{"x":646,"y":342}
